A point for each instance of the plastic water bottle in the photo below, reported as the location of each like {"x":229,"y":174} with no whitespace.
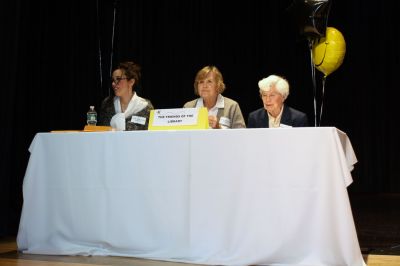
{"x":91,"y":116}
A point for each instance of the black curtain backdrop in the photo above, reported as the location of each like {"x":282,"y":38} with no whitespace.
{"x":57,"y":55}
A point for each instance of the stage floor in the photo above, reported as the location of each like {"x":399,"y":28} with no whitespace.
{"x":377,"y":220}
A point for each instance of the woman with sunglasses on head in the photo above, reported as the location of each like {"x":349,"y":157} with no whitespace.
{"x":125,"y":110}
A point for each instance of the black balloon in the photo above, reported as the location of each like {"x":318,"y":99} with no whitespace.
{"x":311,"y":16}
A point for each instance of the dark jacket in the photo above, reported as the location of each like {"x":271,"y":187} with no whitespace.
{"x":290,"y":117}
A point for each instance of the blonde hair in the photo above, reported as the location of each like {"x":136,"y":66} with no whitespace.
{"x":202,"y":75}
{"x":280,"y":83}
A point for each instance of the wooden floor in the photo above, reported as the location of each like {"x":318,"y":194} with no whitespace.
{"x":10,"y":257}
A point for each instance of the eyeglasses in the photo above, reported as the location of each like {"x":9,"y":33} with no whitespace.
{"x":116,"y":80}
{"x":271,"y":96}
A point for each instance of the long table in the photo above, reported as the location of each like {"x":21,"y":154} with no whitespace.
{"x":219,"y":197}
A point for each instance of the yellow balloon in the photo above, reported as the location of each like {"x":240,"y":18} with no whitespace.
{"x":328,"y":53}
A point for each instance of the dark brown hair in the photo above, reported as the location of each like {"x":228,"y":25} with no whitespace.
{"x":131,"y":70}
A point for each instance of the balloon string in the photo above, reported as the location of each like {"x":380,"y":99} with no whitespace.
{"x":99,"y":42}
{"x":310,"y":44}
{"x":112,"y":42}
{"x":322,"y":99}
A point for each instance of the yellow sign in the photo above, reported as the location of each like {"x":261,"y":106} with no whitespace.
{"x":179,"y":118}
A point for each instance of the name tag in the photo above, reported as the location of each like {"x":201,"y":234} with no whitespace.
{"x":225,"y":122}
{"x":138,"y":120}
{"x":284,"y":126}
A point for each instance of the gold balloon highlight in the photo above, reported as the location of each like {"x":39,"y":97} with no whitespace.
{"x":328,"y":52}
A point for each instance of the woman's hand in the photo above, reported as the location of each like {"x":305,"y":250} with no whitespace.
{"x":213,"y":121}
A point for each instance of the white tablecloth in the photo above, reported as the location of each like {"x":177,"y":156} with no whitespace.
{"x":226,"y":197}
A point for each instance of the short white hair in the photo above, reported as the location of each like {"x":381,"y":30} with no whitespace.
{"x":281,"y":85}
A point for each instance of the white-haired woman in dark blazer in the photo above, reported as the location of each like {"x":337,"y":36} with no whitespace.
{"x":273,"y":92}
